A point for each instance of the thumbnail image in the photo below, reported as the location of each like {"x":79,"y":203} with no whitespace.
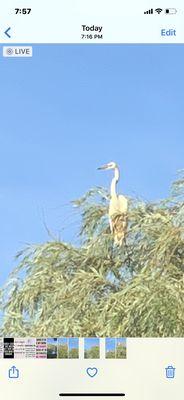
{"x":92,"y":197}
{"x":41,"y":348}
{"x":19,"y":348}
{"x":63,"y":348}
{"x":91,"y":348}
{"x":1,"y":347}
{"x":121,"y":348}
{"x":52,"y":348}
{"x":73,"y":348}
{"x":30,"y":347}
{"x":110,"y":348}
{"x":8,"y":347}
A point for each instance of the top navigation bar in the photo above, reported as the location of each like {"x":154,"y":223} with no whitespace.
{"x":92,"y":21}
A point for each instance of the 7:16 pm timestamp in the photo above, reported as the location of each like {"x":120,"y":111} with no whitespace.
{"x":91,"y":36}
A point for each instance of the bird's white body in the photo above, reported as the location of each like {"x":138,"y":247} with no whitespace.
{"x":118,"y":207}
{"x":118,"y":218}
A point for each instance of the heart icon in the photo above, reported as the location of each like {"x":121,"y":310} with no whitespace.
{"x":92,"y":372}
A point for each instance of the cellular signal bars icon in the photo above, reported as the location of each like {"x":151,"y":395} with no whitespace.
{"x":149,"y":11}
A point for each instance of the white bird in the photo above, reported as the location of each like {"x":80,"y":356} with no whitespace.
{"x":118,"y":207}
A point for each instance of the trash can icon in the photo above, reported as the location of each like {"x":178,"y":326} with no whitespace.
{"x":170,"y":372}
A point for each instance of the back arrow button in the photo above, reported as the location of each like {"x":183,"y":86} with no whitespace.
{"x":6,"y":32}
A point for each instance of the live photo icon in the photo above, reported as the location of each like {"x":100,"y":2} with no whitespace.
{"x":17,"y":51}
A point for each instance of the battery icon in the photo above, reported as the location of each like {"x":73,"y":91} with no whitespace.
{"x":170,"y":11}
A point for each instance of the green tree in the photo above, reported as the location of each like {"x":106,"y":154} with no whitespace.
{"x":98,"y":289}
{"x":73,"y":353}
{"x":62,"y":351}
{"x":94,"y":352}
{"x":121,"y":351}
{"x":110,"y":354}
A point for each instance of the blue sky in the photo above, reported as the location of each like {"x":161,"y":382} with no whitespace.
{"x":91,"y":342}
{"x":68,"y":110}
{"x":52,"y":341}
{"x":63,"y":341}
{"x":110,"y":344}
{"x":73,"y":343}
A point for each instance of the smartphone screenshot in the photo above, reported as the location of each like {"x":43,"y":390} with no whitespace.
{"x":92,"y":200}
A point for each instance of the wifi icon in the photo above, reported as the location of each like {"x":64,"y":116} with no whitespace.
{"x":158,"y":10}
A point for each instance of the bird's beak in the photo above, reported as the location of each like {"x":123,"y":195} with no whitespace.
{"x":103,"y":167}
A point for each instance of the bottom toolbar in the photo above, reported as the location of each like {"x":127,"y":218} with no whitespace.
{"x":153,"y":369}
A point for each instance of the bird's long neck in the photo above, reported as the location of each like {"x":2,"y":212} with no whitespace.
{"x":114,"y":182}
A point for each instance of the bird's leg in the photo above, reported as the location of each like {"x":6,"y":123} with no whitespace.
{"x":127,"y":253}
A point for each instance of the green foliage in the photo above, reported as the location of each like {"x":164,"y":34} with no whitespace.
{"x":111,"y":354}
{"x":62,"y":351}
{"x":121,"y":351}
{"x":98,"y":289}
{"x":73,"y":353}
{"x":94,"y":352}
